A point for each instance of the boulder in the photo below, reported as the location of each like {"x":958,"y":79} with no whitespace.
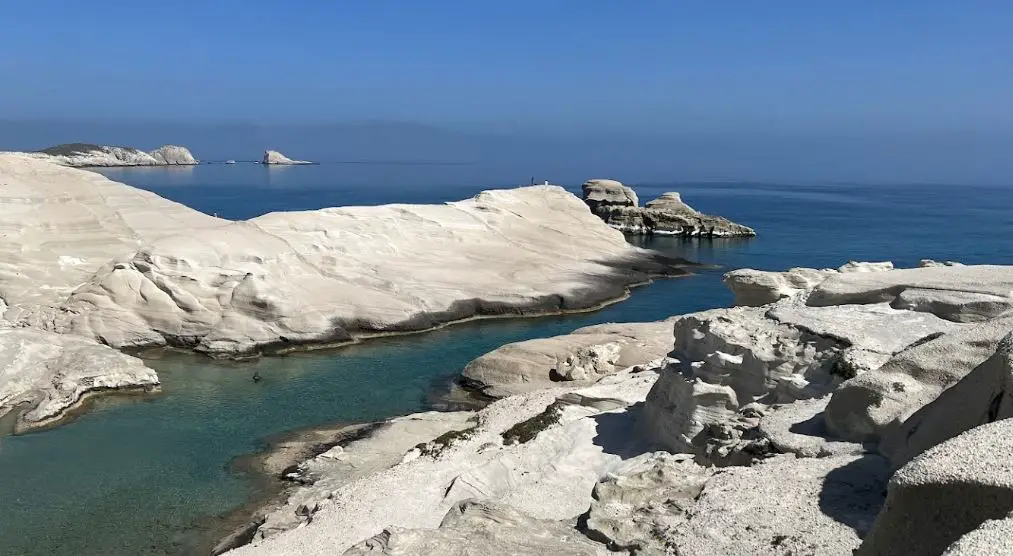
{"x":979,"y":397}
{"x":600,"y":194}
{"x":275,"y":157}
{"x":866,"y":407}
{"x":584,"y":355}
{"x":945,"y":493}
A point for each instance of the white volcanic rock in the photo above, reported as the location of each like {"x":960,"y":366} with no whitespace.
{"x":275,"y":157}
{"x":730,"y":358}
{"x":473,"y":528}
{"x":331,"y":275}
{"x":753,"y":288}
{"x":53,"y":373}
{"x":585,"y":355}
{"x":945,"y":493}
{"x":599,"y":193}
{"x":617,"y":205}
{"x":782,"y":506}
{"x":539,"y":454}
{"x":58,"y":226}
{"x":993,"y":537}
{"x":112,"y":264}
{"x":631,"y":510}
{"x":671,"y":201}
{"x":866,"y":407}
{"x":878,"y":287}
{"x":174,"y":155}
{"x":83,"y":155}
{"x":978,"y":398}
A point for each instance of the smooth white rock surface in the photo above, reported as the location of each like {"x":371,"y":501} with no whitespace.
{"x":52,"y":373}
{"x":584,"y":355}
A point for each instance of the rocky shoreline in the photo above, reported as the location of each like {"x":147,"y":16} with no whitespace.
{"x":765,"y":444}
{"x":276,"y":283}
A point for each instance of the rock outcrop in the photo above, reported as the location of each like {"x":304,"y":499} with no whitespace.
{"x":748,"y":403}
{"x":583,"y":356}
{"x":84,"y":155}
{"x":275,"y":157}
{"x":945,"y":493}
{"x":52,"y":373}
{"x":87,"y":256}
{"x":618,"y":206}
{"x":174,"y":155}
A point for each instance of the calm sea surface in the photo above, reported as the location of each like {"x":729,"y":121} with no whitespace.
{"x":143,"y":475}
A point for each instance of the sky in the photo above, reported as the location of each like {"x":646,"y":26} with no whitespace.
{"x":746,"y":71}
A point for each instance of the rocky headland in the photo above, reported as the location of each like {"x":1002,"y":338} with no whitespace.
{"x":831,"y":411}
{"x":275,"y":157}
{"x":84,"y":155}
{"x":620,"y":208}
{"x":89,"y":266}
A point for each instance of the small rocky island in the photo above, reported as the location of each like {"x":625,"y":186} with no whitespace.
{"x":620,"y":208}
{"x":275,"y":157}
{"x":86,"y":155}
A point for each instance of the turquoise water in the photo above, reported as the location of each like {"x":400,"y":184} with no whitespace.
{"x":140,"y":475}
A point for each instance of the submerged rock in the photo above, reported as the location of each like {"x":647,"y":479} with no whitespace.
{"x":617,"y":205}
{"x":275,"y":157}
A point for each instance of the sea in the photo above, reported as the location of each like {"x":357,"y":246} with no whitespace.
{"x":154,"y":474}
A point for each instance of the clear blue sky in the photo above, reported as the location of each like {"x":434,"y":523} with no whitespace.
{"x":644,"y":65}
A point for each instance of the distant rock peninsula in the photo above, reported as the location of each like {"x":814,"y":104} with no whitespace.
{"x":618,"y":206}
{"x":122,"y":267}
{"x":275,"y":157}
{"x":86,"y":155}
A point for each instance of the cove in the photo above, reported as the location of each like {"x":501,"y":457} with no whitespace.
{"x":147,"y":475}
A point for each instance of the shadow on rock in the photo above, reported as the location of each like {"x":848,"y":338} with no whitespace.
{"x":616,"y":432}
{"x":853,"y":494}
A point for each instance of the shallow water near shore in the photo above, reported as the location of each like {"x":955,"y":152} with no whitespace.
{"x":143,"y":475}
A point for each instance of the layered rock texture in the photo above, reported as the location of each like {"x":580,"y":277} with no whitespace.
{"x":121,"y":267}
{"x":769,"y":428}
{"x":84,"y":155}
{"x":618,"y":206}
{"x":275,"y":157}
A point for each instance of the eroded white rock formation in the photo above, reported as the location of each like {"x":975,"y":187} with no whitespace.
{"x":585,"y":355}
{"x":83,"y":155}
{"x":275,"y":157}
{"x":758,"y":391}
{"x":51,"y":373}
{"x":87,"y":256}
{"x":618,"y":205}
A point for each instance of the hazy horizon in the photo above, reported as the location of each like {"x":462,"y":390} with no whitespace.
{"x":864,"y":91}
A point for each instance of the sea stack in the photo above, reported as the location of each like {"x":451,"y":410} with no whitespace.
{"x":275,"y":157}
{"x":618,"y":206}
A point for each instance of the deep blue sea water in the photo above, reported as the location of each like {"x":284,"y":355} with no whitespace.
{"x":142,"y":475}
